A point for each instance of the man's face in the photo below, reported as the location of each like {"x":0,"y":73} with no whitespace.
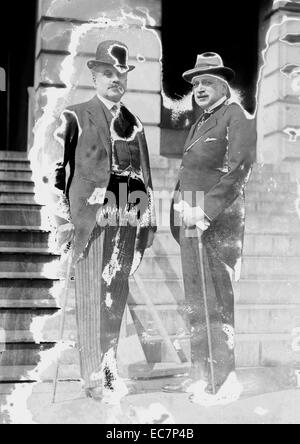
{"x":110,"y":83}
{"x":208,"y":90}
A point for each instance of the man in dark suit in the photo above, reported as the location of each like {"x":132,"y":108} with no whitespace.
{"x":105,"y":208}
{"x":216,"y":165}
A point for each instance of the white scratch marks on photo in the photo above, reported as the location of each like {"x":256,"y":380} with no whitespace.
{"x":113,"y":267}
{"x":260,"y":411}
{"x":229,"y":331}
{"x":154,"y":414}
{"x":98,"y":197}
{"x":108,"y":300}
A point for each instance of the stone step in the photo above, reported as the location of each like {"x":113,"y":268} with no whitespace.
{"x":144,"y":379}
{"x":23,"y":238}
{"x":27,"y":261}
{"x":168,"y":182}
{"x":271,"y":196}
{"x":28,"y":303}
{"x":23,"y":354}
{"x":15,"y":289}
{"x":25,"y":250}
{"x":13,"y":154}
{"x":160,"y":267}
{"x":272,"y":244}
{"x":12,"y":197}
{"x":160,"y":291}
{"x":23,"y":229}
{"x":26,"y":373}
{"x":271,"y":187}
{"x":261,"y":319}
{"x":15,"y":175}
{"x":260,"y":267}
{"x":260,"y":174}
{"x":252,"y":351}
{"x":247,"y":292}
{"x":20,"y":215}
{"x":276,"y":244}
{"x":254,"y":207}
{"x":250,"y":319}
{"x":270,"y":208}
{"x":71,"y":372}
{"x":171,"y":292}
{"x":254,"y":267}
{"x":265,"y":350}
{"x":255,"y":381}
{"x":264,"y":224}
{"x":24,"y":293}
{"x":268,"y":171}
{"x":16,"y":186}
{"x":275,"y":177}
{"x":17,"y":324}
{"x":271,"y":292}
{"x":15,"y":165}
{"x":28,"y":276}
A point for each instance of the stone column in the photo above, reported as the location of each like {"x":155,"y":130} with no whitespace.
{"x":279,"y":87}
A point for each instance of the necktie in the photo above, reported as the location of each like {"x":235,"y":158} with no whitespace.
{"x":114,"y":110}
{"x":205,"y":116}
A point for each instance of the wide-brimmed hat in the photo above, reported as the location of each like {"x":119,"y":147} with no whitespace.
{"x":209,"y":63}
{"x":112,"y":52}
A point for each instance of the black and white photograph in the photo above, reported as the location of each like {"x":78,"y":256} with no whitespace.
{"x":150,"y":214}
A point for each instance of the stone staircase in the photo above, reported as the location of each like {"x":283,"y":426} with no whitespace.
{"x":267,"y":296}
{"x":25,"y":290}
{"x":267,"y":302}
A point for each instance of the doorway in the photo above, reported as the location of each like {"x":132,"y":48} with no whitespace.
{"x":17,"y":56}
{"x":232,"y":29}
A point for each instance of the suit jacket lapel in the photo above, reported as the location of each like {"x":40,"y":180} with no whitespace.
{"x":190,"y":136}
{"x":210,"y":123}
{"x":101,"y":118}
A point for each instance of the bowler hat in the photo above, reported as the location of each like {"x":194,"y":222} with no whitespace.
{"x":112,"y":52}
{"x":209,"y":63}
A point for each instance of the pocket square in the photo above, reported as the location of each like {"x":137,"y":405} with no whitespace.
{"x":211,"y":139}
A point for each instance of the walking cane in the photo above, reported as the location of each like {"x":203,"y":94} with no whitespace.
{"x":63,"y":319}
{"x":205,"y":299}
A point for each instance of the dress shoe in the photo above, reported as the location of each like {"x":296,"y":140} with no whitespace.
{"x":180,"y":387}
{"x":228,"y":393}
{"x":95,"y":393}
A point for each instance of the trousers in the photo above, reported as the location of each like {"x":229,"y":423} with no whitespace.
{"x":102,"y":288}
{"x":220,"y":296}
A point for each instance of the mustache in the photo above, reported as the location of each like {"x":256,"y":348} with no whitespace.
{"x":118,"y":86}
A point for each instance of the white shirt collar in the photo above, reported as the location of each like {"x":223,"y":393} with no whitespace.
{"x":108,"y":103}
{"x":216,"y":104}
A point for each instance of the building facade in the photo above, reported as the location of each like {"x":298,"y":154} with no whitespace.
{"x":267,"y":59}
